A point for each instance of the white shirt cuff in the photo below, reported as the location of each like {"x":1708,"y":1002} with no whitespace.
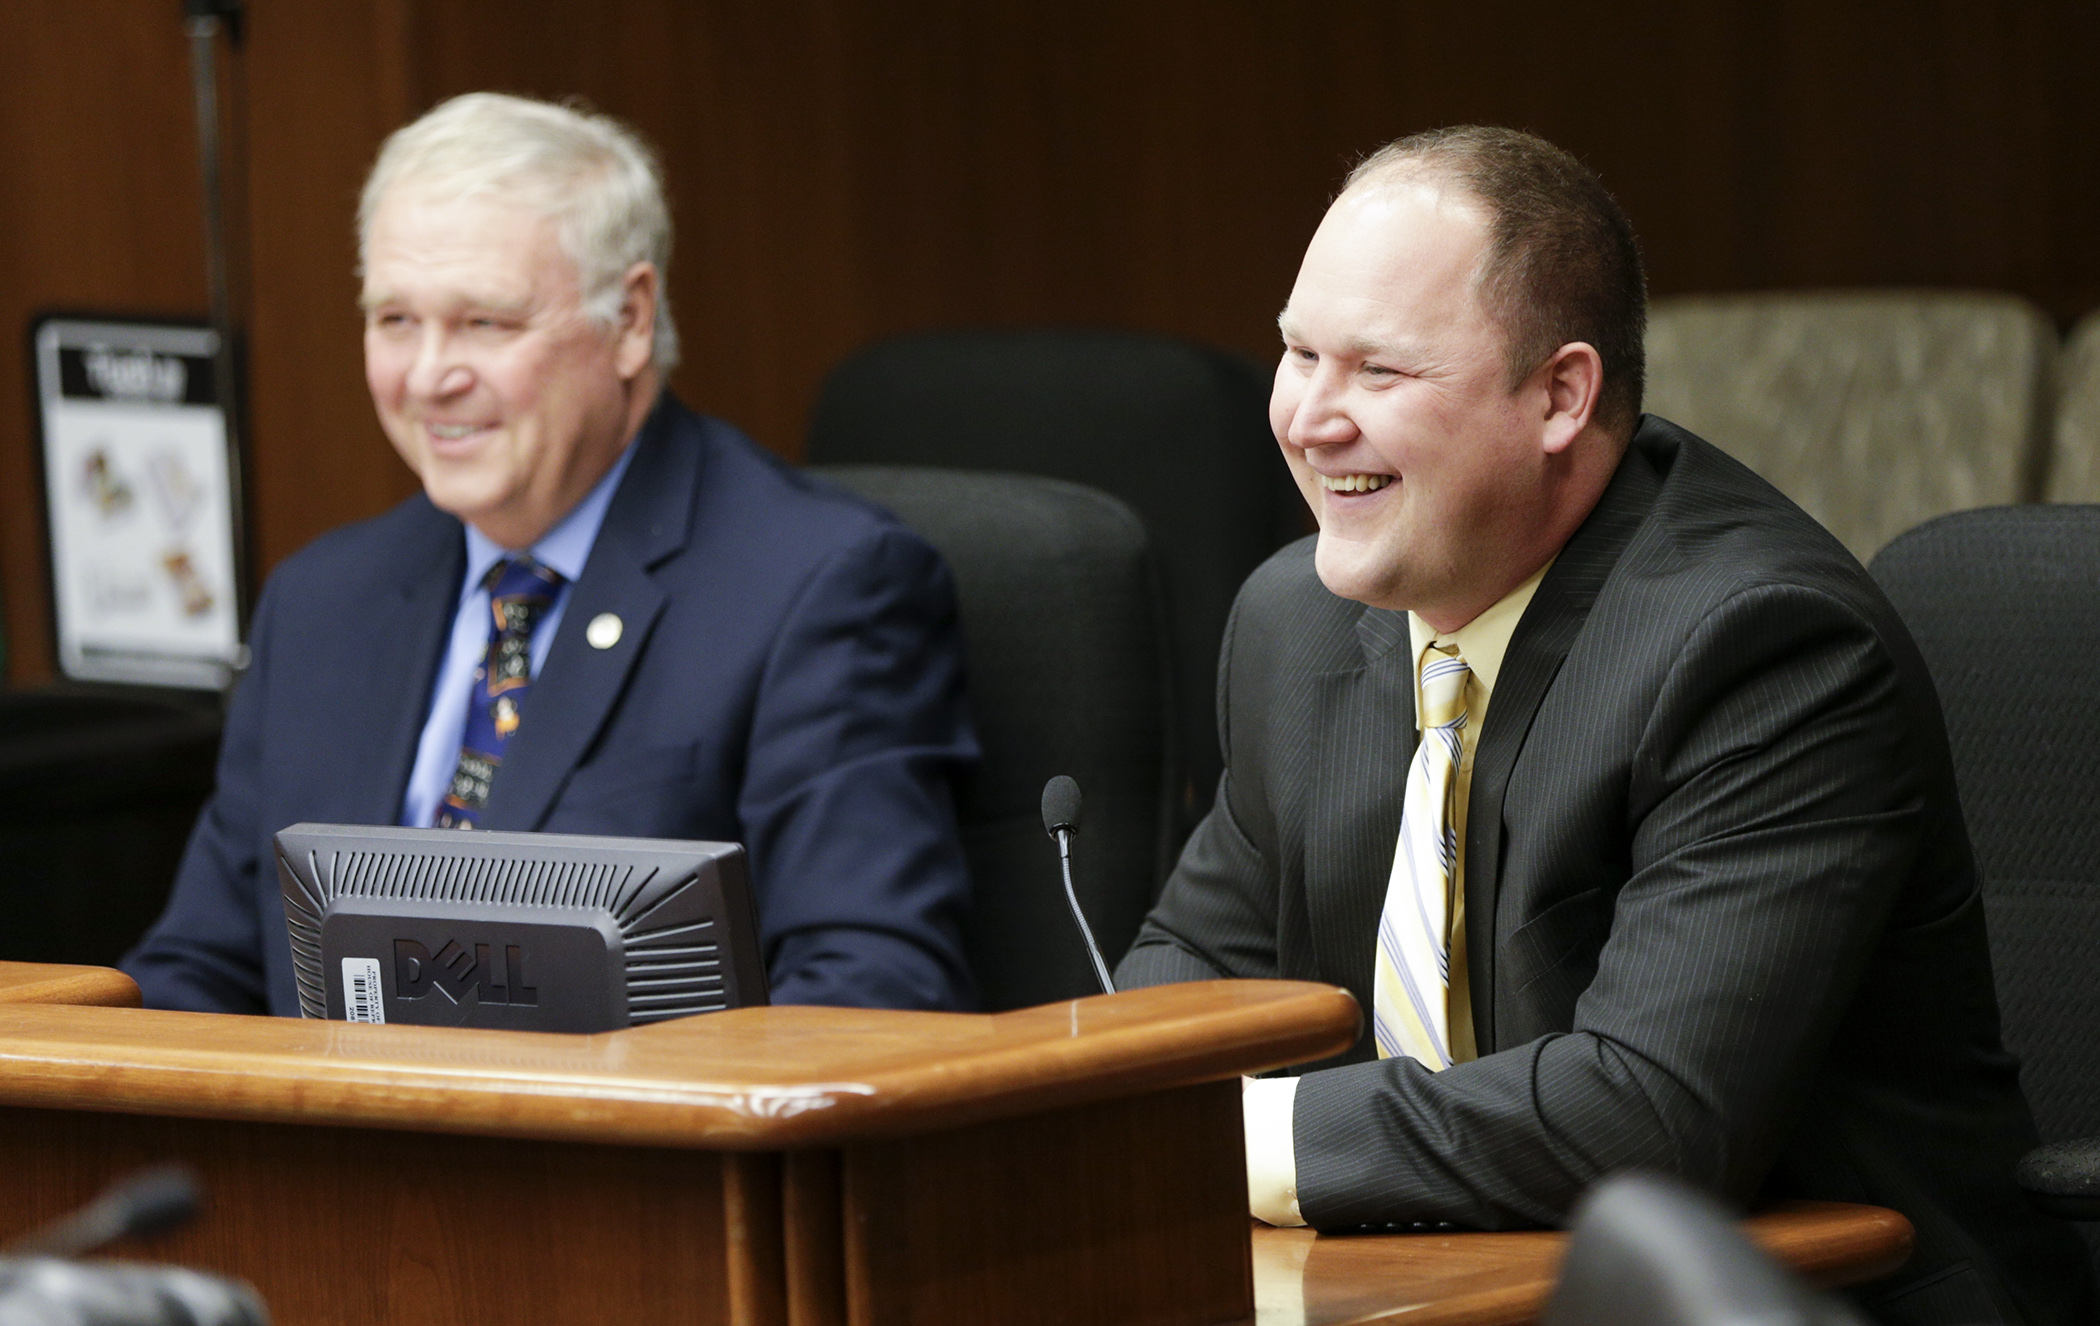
{"x":1272,"y":1159}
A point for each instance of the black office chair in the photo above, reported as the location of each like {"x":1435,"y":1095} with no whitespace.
{"x":1650,"y":1251}
{"x":2005,"y":604}
{"x":98,"y":792}
{"x":1065,"y":645}
{"x":1177,"y":430}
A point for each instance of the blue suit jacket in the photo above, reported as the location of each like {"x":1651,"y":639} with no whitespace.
{"x":790,"y":677}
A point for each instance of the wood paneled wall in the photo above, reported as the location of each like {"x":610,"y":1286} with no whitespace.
{"x":843,"y":171}
{"x":99,"y":209}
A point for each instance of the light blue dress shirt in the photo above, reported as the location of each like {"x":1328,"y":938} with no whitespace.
{"x":565,"y":548}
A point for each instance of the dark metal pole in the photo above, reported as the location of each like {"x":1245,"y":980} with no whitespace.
{"x":204,"y":20}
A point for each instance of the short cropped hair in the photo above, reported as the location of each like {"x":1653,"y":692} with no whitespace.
{"x":593,"y":176}
{"x":1562,"y":263}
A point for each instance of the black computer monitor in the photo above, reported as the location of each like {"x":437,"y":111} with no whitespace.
{"x":522,"y":931}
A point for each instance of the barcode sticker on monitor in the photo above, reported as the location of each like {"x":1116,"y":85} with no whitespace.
{"x":361,"y":1001}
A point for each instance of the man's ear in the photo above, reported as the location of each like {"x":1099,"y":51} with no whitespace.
{"x":1573,"y":378}
{"x":635,"y":333}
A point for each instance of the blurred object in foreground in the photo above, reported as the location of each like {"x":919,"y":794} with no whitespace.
{"x":47,"y":1291}
{"x":152,"y":1201}
{"x":1653,"y":1251}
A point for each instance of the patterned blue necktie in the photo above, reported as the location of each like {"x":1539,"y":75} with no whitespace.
{"x":520,"y":592}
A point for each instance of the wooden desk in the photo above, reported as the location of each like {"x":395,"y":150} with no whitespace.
{"x":767,"y":1167}
{"x":1307,"y":1279}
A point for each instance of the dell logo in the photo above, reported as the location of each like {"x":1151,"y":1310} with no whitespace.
{"x":455,"y":972}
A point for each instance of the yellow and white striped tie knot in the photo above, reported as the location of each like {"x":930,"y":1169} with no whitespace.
{"x":1444,"y":678}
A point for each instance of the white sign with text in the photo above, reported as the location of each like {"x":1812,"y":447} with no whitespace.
{"x":139,"y":492}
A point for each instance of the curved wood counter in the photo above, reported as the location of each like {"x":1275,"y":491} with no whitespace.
{"x":1081,"y":1161}
{"x":1307,"y":1279}
{"x":39,"y":983}
{"x":747,"y":1079}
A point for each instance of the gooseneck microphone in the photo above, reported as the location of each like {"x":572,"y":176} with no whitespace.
{"x":152,"y":1201}
{"x":39,"y":1284}
{"x":1061,"y":821}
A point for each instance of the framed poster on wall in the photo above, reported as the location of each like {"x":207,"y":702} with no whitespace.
{"x":141,"y":502}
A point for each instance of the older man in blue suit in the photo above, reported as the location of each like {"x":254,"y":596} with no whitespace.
{"x":604,"y":613}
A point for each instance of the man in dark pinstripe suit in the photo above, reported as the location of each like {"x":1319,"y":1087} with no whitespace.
{"x":1710,"y":907}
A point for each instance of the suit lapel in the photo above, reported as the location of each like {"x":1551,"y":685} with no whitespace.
{"x":1353,"y":820}
{"x":404,"y":643}
{"x":1536,"y":650}
{"x":579,"y":686}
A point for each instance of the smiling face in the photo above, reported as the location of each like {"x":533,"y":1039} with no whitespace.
{"x":504,"y":397}
{"x":1433,"y":479}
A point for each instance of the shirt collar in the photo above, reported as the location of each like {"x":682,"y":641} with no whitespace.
{"x":567,"y":546}
{"x":1483,"y":641}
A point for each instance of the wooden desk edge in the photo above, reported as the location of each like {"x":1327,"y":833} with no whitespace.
{"x":89,"y":1059}
{"x":51,"y":983}
{"x":1831,"y":1244}
{"x":1827,"y":1244}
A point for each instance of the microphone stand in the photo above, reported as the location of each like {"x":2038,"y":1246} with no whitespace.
{"x":1086,"y":932}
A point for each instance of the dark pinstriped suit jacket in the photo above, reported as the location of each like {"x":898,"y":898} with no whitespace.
{"x":1720,"y":910}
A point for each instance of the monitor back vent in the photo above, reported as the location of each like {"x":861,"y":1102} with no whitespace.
{"x":674,"y":970}
{"x":516,"y":883}
{"x":672,"y":950}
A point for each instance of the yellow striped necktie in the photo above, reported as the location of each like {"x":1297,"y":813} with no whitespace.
{"x":1410,"y":989}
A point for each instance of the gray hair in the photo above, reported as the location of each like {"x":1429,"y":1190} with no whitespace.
{"x":590,"y":174}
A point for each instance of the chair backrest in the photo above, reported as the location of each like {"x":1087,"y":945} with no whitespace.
{"x":1065,"y":645}
{"x":2005,"y":605}
{"x":1650,"y":1250}
{"x":1177,"y":430}
{"x":1874,"y":410}
{"x":2074,"y":460}
{"x":99,"y":789}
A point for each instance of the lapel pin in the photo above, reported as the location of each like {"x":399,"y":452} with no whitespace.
{"x":604,"y":630}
